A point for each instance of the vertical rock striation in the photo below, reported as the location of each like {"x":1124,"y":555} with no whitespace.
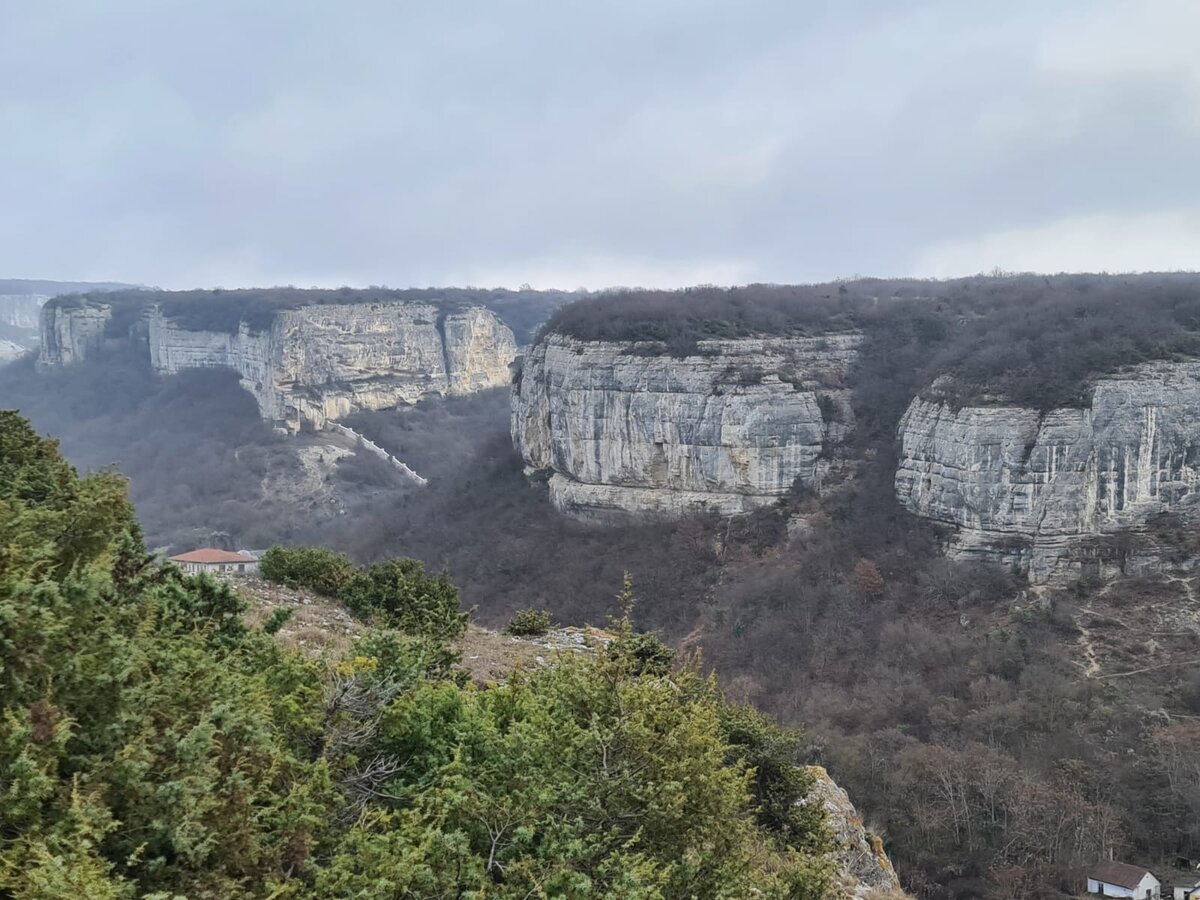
{"x":70,"y":333}
{"x":310,"y":364}
{"x":863,"y":868}
{"x":318,"y":363}
{"x":22,"y":311}
{"x":479,"y":351}
{"x":1051,"y":491}
{"x":623,"y":428}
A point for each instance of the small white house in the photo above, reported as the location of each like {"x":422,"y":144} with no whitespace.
{"x":1115,"y":879}
{"x":1187,"y":891}
{"x":216,"y":562}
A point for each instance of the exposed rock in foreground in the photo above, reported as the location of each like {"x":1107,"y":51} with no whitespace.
{"x":864,"y":870}
{"x":320,"y":625}
{"x":625,"y":428}
{"x":1053,"y":492}
{"x":491,"y":656}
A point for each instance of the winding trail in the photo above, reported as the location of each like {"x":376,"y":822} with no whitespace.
{"x":1091,"y":665}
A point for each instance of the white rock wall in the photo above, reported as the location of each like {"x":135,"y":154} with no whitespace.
{"x":319,"y":363}
{"x":22,"y":310}
{"x":316,"y":363}
{"x":1035,"y":488}
{"x":624,"y":430}
{"x":480,"y":351}
{"x":70,"y":334}
{"x":374,"y":449}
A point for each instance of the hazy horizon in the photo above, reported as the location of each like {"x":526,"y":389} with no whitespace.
{"x":612,"y":287}
{"x":628,"y":144}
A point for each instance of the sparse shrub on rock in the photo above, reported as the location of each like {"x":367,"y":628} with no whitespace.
{"x":528,"y":623}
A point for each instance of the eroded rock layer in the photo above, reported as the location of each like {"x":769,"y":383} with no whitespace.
{"x":864,"y":871}
{"x":21,"y":310}
{"x":623,"y":428}
{"x":69,"y":334}
{"x":316,"y":363}
{"x":1051,"y":491}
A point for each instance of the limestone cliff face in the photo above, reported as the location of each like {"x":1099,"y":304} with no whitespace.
{"x":623,"y":429}
{"x":70,"y":333}
{"x":318,"y":363}
{"x":22,"y":310}
{"x":864,"y":871}
{"x":479,"y":351}
{"x":1046,"y":490}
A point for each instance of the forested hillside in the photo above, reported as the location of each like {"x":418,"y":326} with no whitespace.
{"x":154,"y":745}
{"x":1034,"y":339}
{"x":205,"y":468}
{"x":1001,"y":738}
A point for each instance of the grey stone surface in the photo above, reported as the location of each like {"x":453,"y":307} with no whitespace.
{"x":624,"y":429}
{"x":864,"y":870}
{"x":1042,"y":490}
{"x":10,"y":351}
{"x":317,"y":363}
{"x":68,"y":335}
{"x":22,"y":310}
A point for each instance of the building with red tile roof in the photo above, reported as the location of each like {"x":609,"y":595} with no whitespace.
{"x":209,"y":559}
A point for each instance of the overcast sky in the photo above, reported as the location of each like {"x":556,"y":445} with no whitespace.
{"x":560,"y":143}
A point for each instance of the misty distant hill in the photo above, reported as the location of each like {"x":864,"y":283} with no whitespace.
{"x":21,"y":300}
{"x":36,"y":286}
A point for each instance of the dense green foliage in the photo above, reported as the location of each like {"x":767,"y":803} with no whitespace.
{"x":397,"y":591}
{"x":70,"y":519}
{"x":407,"y":598}
{"x":152,"y":745}
{"x":316,"y":568}
{"x":528,"y":623}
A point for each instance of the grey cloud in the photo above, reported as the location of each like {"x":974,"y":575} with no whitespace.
{"x":574,"y":142}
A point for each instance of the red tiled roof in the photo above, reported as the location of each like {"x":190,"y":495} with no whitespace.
{"x":210,"y":555}
{"x":1117,"y":873}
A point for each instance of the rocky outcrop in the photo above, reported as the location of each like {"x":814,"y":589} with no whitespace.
{"x":624,"y":428}
{"x":10,"y":351}
{"x":69,"y":333}
{"x":1059,"y":492}
{"x":21,"y":303}
{"x":311,"y":364}
{"x":479,"y":351}
{"x":318,"y":363}
{"x":863,"y":868}
{"x":22,"y":311}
